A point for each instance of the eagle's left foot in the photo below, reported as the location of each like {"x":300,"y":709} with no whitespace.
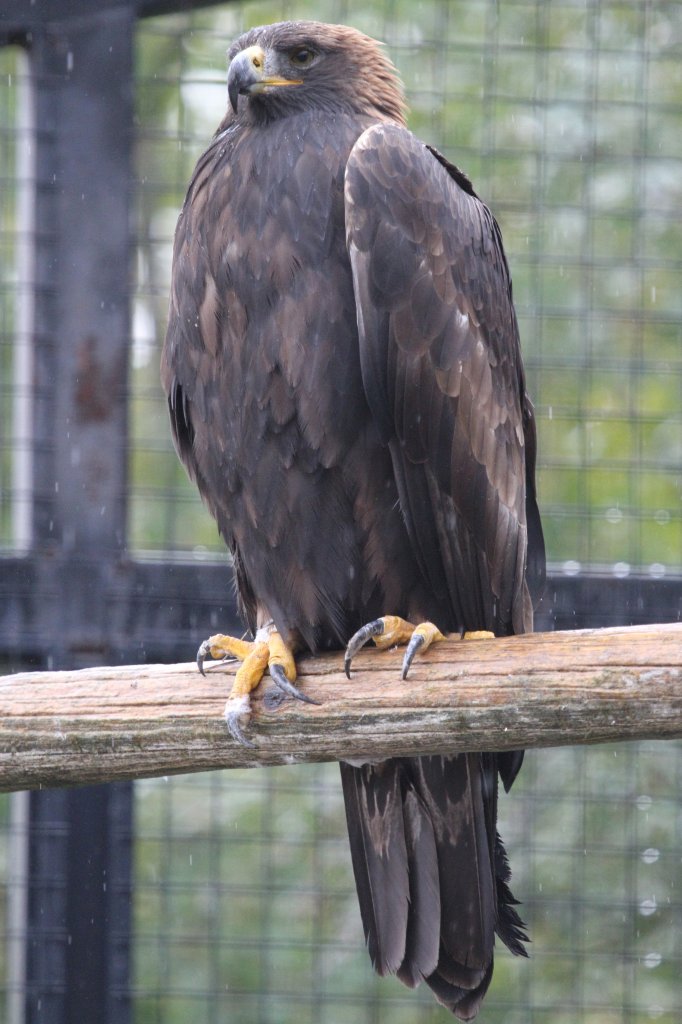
{"x":269,"y":651}
{"x":392,"y":631}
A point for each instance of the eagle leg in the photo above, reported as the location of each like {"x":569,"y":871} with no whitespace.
{"x":268,"y":650}
{"x":392,"y":631}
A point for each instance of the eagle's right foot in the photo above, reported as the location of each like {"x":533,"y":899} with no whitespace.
{"x":392,"y":631}
{"x":268,"y":650}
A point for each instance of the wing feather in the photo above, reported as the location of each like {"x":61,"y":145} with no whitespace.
{"x":442,"y":370}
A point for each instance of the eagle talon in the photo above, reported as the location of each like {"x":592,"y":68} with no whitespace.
{"x":201,"y":657}
{"x":236,"y":709}
{"x":393,"y":631}
{"x":359,"y":639}
{"x":282,"y":683}
{"x":417,"y":641}
{"x":235,"y":729}
{"x":204,"y":649}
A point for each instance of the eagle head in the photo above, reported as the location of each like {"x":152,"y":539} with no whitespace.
{"x":293,"y":66}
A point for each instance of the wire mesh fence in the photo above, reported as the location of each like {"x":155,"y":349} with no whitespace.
{"x":568,"y":118}
{"x":246,"y":911}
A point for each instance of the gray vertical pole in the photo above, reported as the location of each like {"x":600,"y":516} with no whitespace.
{"x":82,"y":75}
{"x":78,"y":879}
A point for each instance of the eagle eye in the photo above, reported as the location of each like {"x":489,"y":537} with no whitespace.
{"x":302,"y":57}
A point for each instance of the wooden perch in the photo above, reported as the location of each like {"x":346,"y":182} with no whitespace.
{"x":545,"y":689}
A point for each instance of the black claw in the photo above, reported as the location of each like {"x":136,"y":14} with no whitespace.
{"x":359,"y":639}
{"x":232,"y":719}
{"x":417,"y":641}
{"x":282,"y":683}
{"x":201,"y":656}
{"x":204,"y":651}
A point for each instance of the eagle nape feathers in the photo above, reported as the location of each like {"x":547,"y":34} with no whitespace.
{"x":345,"y":387}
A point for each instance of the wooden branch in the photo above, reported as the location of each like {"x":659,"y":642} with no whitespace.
{"x":545,"y":689}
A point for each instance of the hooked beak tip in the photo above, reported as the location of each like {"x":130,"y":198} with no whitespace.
{"x":233,"y":94}
{"x":245,"y":71}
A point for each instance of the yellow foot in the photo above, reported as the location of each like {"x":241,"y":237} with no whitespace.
{"x":478,"y":634}
{"x":392,"y":631}
{"x":269,"y":651}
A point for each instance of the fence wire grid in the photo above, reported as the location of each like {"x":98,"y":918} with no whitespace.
{"x":568,"y":118}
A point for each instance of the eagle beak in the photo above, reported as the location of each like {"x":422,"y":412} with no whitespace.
{"x":247,"y":75}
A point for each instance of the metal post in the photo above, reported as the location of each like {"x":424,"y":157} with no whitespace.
{"x":78,"y":878}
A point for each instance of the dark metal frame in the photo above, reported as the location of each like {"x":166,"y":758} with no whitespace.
{"x":76,"y":598}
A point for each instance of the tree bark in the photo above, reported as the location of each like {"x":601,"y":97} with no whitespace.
{"x":540,"y":690}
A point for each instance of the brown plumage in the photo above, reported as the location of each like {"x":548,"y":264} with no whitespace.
{"x":345,"y":386}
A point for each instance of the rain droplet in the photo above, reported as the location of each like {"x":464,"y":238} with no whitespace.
{"x":650,"y":856}
{"x":648,"y":907}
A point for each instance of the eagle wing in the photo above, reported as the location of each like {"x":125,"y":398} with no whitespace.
{"x":442,"y":371}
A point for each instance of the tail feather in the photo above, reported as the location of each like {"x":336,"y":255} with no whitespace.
{"x":422,"y":943}
{"x":451,"y":789}
{"x":377,"y":841}
{"x":431,"y":872}
{"x":509,"y":925}
{"x":462,"y":1002}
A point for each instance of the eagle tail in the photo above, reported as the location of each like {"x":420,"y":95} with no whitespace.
{"x":431,"y":873}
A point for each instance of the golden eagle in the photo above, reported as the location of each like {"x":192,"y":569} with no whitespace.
{"x":345,"y":387}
